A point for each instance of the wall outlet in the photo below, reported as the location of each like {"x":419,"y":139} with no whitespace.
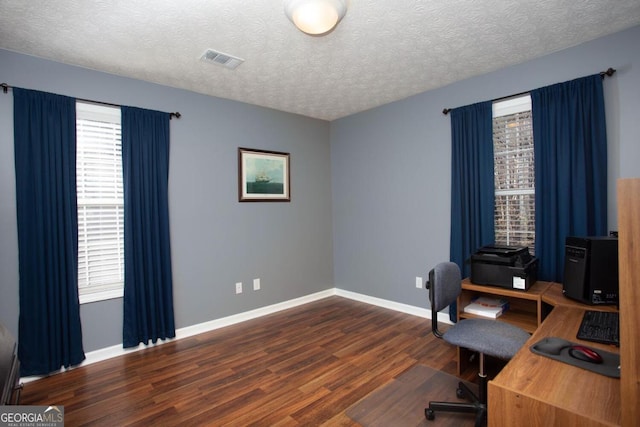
{"x":238,"y":287}
{"x":256,"y":284}
{"x":418,"y":282}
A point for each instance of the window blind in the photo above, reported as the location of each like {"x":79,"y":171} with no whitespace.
{"x":514,"y":173}
{"x":100,"y":202}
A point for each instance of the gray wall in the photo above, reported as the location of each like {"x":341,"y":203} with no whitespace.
{"x":216,"y":241}
{"x":391,"y":166}
{"x":389,"y":169}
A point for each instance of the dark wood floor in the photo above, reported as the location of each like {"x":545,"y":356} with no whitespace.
{"x":300,"y":367}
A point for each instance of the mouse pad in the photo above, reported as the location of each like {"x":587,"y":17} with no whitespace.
{"x":558,"y":349}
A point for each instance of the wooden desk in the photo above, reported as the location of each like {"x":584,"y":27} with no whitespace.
{"x":629,"y":260}
{"x":536,"y":390}
{"x":525,"y":307}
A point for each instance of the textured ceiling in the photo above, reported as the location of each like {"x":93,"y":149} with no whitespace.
{"x":382,"y":51}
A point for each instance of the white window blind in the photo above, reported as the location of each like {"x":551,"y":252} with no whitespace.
{"x":100,"y":202}
{"x":514,"y":173}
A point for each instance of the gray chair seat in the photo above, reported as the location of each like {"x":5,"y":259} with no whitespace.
{"x":490,"y":337}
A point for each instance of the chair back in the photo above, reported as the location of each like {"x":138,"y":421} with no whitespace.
{"x":445,"y":284}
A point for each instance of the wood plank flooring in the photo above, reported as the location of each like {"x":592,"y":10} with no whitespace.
{"x":300,"y":367}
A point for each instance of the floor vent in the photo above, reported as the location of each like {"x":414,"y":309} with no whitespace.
{"x":219,"y":58}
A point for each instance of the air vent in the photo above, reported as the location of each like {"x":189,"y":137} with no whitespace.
{"x":219,"y":58}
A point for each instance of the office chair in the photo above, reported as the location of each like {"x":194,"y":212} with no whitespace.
{"x":484,"y":336}
{"x":9,"y":368}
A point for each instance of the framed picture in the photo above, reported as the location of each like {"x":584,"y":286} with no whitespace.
{"x":263,"y":176}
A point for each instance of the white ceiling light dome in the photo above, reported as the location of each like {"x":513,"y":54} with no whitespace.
{"x":315,"y":17}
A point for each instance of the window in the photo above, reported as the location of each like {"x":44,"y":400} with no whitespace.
{"x":100,"y":202}
{"x":514,"y":173}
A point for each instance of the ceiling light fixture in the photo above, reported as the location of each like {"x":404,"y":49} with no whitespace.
{"x":315,"y":17}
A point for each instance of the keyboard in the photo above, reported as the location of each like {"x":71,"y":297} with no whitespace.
{"x":600,"y":326}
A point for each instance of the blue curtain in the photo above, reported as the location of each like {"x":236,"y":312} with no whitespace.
{"x":472,"y":183}
{"x":148,"y":293}
{"x":50,"y":335}
{"x":569,"y":131}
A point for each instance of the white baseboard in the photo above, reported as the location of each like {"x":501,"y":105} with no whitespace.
{"x":248,"y":315}
{"x":392,"y":305}
{"x":117,"y":350}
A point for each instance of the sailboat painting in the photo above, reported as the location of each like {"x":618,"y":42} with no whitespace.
{"x":263,"y":176}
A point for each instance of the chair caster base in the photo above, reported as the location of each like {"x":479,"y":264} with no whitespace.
{"x":429,"y":414}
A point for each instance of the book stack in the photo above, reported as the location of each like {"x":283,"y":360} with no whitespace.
{"x":487,"y":307}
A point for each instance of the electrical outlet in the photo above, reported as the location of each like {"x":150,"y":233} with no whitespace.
{"x":256,"y":284}
{"x":238,"y":287}
{"x":418,"y":282}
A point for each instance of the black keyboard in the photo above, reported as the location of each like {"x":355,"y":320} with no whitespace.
{"x":600,"y":326}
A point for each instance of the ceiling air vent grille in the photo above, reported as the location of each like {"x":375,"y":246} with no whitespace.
{"x":219,"y":58}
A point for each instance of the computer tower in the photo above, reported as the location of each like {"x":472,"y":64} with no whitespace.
{"x":591,"y":269}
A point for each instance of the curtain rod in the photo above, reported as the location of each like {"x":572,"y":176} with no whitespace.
{"x":603,"y":74}
{"x":5,"y":88}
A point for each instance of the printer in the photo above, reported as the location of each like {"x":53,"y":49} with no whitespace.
{"x":508,"y":267}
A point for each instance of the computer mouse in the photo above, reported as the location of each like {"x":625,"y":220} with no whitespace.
{"x":552,"y":345}
{"x":585,"y":353}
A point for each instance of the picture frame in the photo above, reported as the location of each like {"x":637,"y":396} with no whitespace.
{"x":263,"y":176}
